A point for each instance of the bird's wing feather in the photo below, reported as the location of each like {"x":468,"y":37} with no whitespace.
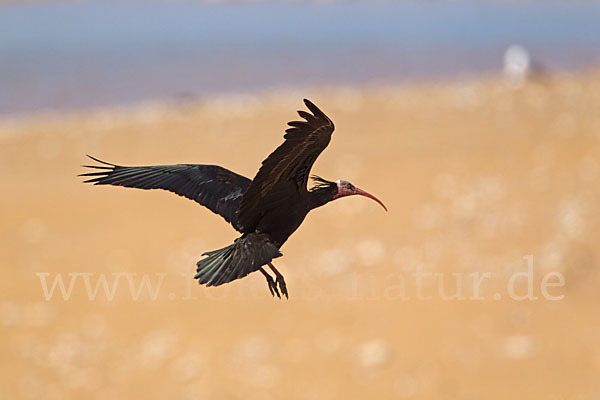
{"x":284,"y":174}
{"x":214,"y":187}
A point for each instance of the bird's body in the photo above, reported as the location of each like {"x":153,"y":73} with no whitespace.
{"x":265,"y":210}
{"x":292,"y":214}
{"x":282,"y":221}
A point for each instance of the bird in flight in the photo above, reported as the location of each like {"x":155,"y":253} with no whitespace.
{"x":265,"y":210}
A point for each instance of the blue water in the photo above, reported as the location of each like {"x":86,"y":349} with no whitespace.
{"x":76,"y":55}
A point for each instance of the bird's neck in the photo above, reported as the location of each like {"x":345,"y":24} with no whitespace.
{"x":321,"y":196}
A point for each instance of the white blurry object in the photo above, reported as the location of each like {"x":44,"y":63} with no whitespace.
{"x":517,"y":63}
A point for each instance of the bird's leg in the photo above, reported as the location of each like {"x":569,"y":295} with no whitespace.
{"x":272,"y":285}
{"x":279,"y":279}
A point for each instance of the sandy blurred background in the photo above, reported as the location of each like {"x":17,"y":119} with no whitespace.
{"x":480,"y":173}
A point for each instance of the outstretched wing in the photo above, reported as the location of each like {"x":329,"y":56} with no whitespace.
{"x":216,"y":188}
{"x":284,"y":174}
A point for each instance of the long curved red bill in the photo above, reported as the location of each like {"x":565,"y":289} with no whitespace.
{"x":369,"y":195}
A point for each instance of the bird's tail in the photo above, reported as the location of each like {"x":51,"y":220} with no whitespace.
{"x":247,"y":254}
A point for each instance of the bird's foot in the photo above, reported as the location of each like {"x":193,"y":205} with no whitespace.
{"x":279,"y":280}
{"x":272,"y":284}
{"x":273,"y":287}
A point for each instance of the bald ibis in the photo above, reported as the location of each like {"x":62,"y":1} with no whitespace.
{"x":265,"y":210}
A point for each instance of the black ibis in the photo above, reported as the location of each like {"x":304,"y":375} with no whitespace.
{"x":265,"y":210}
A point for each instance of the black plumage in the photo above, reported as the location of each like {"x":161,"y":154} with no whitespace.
{"x":265,"y":210}
{"x":283,"y":176}
{"x":214,"y":187}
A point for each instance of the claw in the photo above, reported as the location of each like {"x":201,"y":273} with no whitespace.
{"x":269,"y":282}
{"x":273,"y":287}
{"x":272,"y":284}
{"x":280,"y":281}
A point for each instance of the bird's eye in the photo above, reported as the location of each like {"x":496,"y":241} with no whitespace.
{"x":349,"y":186}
